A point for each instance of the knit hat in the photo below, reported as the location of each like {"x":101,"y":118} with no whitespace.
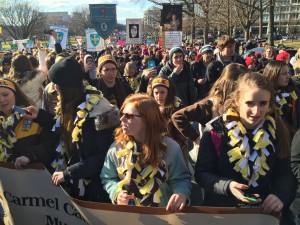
{"x":282,"y":55}
{"x":67,"y":72}
{"x":175,"y":49}
{"x":7,"y":84}
{"x":206,"y":49}
{"x":158,"y":81}
{"x":106,"y":59}
{"x":248,"y":60}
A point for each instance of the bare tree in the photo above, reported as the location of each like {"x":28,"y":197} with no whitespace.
{"x":211,"y":10}
{"x":80,"y":21}
{"x":21,"y":19}
{"x":248,"y":14}
{"x":292,"y":24}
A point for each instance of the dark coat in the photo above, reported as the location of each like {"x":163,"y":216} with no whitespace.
{"x":91,"y":153}
{"x":121,"y":89}
{"x":183,"y":83}
{"x":36,"y":143}
{"x":198,"y":70}
{"x":214,"y":173}
{"x":215,"y":68}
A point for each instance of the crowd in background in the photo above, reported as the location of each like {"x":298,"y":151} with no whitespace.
{"x":136,"y":124}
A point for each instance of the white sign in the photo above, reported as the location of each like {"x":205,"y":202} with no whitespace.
{"x":134,"y":31}
{"x":94,"y":43}
{"x":62,"y":37}
{"x":21,"y":44}
{"x":28,"y":197}
{"x":172,"y":38}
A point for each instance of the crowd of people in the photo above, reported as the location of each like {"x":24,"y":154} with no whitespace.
{"x":111,"y":128}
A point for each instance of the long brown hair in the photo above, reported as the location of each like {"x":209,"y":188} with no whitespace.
{"x":70,"y":98}
{"x":153,"y":148}
{"x":225,"y":85}
{"x":272,"y":71}
{"x":257,"y":80}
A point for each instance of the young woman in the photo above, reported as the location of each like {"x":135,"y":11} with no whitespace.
{"x":22,"y":141}
{"x":84,"y":120}
{"x":29,"y":79}
{"x":245,"y":153}
{"x":146,"y":75}
{"x":130,"y":75}
{"x":90,"y":69}
{"x":268,"y":55}
{"x":142,"y":164}
{"x":287,"y":96}
{"x":163,"y":91}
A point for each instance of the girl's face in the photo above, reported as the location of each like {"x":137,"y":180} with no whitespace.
{"x":160,"y":95}
{"x":253,"y":105}
{"x":130,"y":71}
{"x":132,"y":122}
{"x":269,"y":53}
{"x":7,"y":100}
{"x":284,"y":77}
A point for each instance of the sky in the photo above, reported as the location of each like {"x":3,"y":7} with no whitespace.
{"x":125,"y":8}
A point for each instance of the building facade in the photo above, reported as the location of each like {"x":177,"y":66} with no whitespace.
{"x":58,"y":18}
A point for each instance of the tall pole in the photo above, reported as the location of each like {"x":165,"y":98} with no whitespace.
{"x":271,"y":22}
{"x":261,"y":24}
{"x":193,"y":22}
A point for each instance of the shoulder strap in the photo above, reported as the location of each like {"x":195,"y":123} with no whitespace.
{"x":216,"y":139}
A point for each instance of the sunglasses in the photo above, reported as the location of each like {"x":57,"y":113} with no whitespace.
{"x":129,"y":116}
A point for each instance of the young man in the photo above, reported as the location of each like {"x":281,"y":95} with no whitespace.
{"x":224,"y":57}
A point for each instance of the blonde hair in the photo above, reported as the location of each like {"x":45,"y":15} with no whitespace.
{"x":128,"y":66}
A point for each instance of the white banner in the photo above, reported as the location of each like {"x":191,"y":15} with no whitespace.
{"x":21,"y":44}
{"x":94,"y":43}
{"x":134,"y":31}
{"x":28,"y":197}
{"x":62,"y":37}
{"x":172,"y":38}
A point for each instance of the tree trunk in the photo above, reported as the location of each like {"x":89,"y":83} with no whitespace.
{"x":247,"y":33}
{"x":260,"y":31}
{"x":205,"y":31}
{"x":271,"y":22}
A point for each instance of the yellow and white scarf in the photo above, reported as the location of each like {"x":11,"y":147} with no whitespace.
{"x":250,"y":151}
{"x":7,"y":135}
{"x":144,"y":180}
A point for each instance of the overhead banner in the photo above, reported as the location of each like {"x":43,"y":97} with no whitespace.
{"x":28,"y":197}
{"x":134,"y":31}
{"x":62,"y":37}
{"x":171,"y":22}
{"x":103,"y":18}
{"x":94,"y":43}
